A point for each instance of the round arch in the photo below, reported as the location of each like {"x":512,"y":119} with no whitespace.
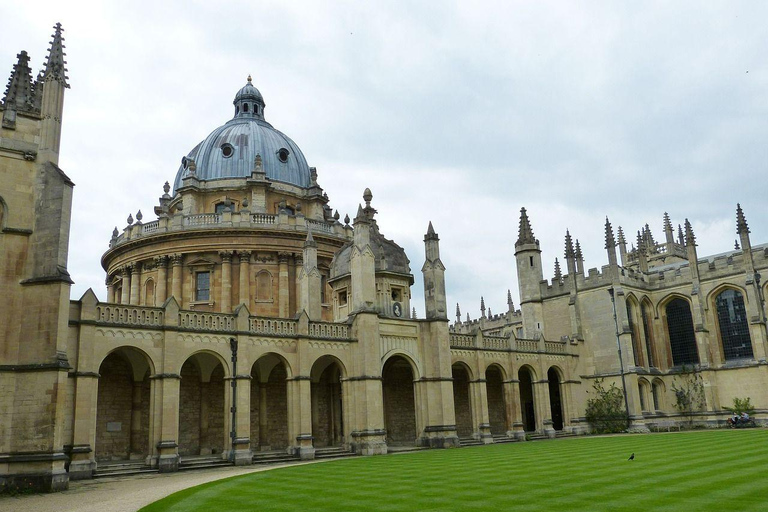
{"x":555,"y":383}
{"x":464,"y":366}
{"x":326,"y":376}
{"x":321,"y":363}
{"x":399,"y":398}
{"x":497,"y":401}
{"x":644,"y":392}
{"x":202,"y":404}
{"x":658,"y":392}
{"x":268,"y":360}
{"x":206,"y":361}
{"x":270,"y":373}
{"x":405,"y":355}
{"x":526,"y":376}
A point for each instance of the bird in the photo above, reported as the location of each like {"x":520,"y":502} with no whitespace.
{"x":631,"y":457}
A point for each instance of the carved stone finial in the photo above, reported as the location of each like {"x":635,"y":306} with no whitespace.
{"x":367,"y":196}
{"x":115,"y":232}
{"x":244,"y":202}
{"x":741,"y":221}
{"x":336,"y":215}
{"x":139,"y":216}
{"x":166,"y":188}
{"x":130,"y":219}
{"x":525,"y":232}
{"x":250,"y":80}
{"x":346,"y":219}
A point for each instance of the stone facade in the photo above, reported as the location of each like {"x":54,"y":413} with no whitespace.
{"x":248,"y":318}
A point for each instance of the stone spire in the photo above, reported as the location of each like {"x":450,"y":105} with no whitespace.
{"x":55,"y":64}
{"x":18,"y":96}
{"x":570,"y":253}
{"x":669,"y":233}
{"x":510,"y":304}
{"x":433,"y":271}
{"x":525,"y":233}
{"x":558,"y":272}
{"x":482,"y":307}
{"x":458,"y":314}
{"x":690,"y":238}
{"x":642,"y":254}
{"x":579,"y":258}
{"x":610,"y":242}
{"x":693,"y":259}
{"x":680,"y":237}
{"x":741,"y":221}
{"x":622,"y":248}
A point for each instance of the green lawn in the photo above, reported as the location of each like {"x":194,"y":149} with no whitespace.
{"x":690,"y":471}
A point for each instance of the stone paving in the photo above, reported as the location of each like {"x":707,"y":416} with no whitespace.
{"x":122,"y":494}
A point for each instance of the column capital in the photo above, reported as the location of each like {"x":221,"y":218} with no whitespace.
{"x":245,"y":257}
{"x":161,"y":261}
{"x":176,"y":259}
{"x":226,"y":256}
{"x":282,"y":257}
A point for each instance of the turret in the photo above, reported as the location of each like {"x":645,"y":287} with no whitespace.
{"x":434,"y":278}
{"x":52,"y":106}
{"x":690,"y":245}
{"x":362,"y":260}
{"x":529,"y":276}
{"x":669,"y":233}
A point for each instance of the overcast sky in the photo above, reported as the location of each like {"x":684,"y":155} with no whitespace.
{"x":459,"y":113}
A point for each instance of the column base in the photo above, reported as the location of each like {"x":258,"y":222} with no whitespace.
{"x":81,"y":466}
{"x":369,"y":442}
{"x":304,"y":449}
{"x":241,"y":453}
{"x":38,"y":472}
{"x":483,"y":433}
{"x":168,"y":457}
{"x":439,"y":436}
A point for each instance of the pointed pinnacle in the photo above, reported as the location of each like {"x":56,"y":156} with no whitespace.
{"x":680,"y":237}
{"x":482,"y":305}
{"x":578,"y":250}
{"x":741,"y":221}
{"x":431,"y":235}
{"x":430,"y":229}
{"x":18,"y":92}
{"x":569,"y":252}
{"x":310,"y":241}
{"x":610,"y":242}
{"x":622,"y":240}
{"x":736,"y":245}
{"x":525,"y":233}
{"x":458,"y":311}
{"x":558,"y":272}
{"x":509,"y":297}
{"x":667,"y":223}
{"x":55,"y":64}
{"x":690,"y":238}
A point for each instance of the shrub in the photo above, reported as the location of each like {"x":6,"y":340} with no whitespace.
{"x":689,"y":392}
{"x":741,"y":405}
{"x":605,"y":412}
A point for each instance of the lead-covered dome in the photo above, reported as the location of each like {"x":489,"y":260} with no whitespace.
{"x":230,"y":150}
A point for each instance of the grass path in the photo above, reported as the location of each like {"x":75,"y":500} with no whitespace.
{"x":691,"y":471}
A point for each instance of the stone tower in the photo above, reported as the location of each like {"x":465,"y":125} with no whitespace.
{"x":434,"y":277}
{"x":529,"y":277}
{"x":35,"y":209}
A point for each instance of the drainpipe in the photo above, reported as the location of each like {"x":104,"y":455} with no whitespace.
{"x":233,"y":409}
{"x":621,"y":360}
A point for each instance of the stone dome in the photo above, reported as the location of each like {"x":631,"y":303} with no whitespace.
{"x":389,"y":257}
{"x":230,"y":150}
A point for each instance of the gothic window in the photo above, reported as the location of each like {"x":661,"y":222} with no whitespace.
{"x":263,"y":286}
{"x":682,"y":340}
{"x":641,"y":391}
{"x":203,"y":286}
{"x":648,"y":332}
{"x":734,"y":330}
{"x":633,"y":335}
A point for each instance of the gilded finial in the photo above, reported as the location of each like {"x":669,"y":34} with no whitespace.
{"x":249,"y":78}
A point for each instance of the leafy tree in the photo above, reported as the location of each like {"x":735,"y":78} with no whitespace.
{"x":688,"y":387}
{"x":605,"y":412}
{"x":741,"y":405}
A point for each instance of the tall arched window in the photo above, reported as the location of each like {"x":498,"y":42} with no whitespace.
{"x":263,"y":286}
{"x":149,"y":293}
{"x":648,"y":332}
{"x":682,"y":340}
{"x":633,"y":335}
{"x":734,"y":330}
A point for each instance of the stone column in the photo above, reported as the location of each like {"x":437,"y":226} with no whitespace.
{"x":513,"y":409}
{"x":168,"y":447}
{"x":226,"y":281}
{"x":298,"y":263}
{"x":136,"y":417}
{"x":162,"y":280}
{"x":479,"y":402}
{"x":284,"y":291}
{"x":126,"y":286}
{"x":262,"y":415}
{"x":300,"y":421}
{"x":110,"y":290}
{"x":84,"y":426}
{"x":543,"y":407}
{"x":245,"y":278}
{"x":176,"y":271}
{"x":136,"y":285}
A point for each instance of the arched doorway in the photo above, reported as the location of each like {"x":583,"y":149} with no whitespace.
{"x":269,"y":404}
{"x":123,"y":406}
{"x":555,"y":398}
{"x":497,"y":411}
{"x":525,"y":376}
{"x":327,"y":403}
{"x":399,"y":406}
{"x":462,"y":401}
{"x":202,"y":411}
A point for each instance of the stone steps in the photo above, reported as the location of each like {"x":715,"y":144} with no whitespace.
{"x":122,"y":468}
{"x":470,"y":441}
{"x":501,"y":438}
{"x":202,"y":462}
{"x":332,"y":452}
{"x":273,"y":457}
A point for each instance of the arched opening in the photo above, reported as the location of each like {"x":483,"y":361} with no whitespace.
{"x":634,"y":332}
{"x":525,"y":377}
{"x":264,"y":286}
{"x":327,"y":403}
{"x":497,"y":410}
{"x":462,"y":402}
{"x":734,"y":329}
{"x":201,"y":406}
{"x":642,"y":390}
{"x":269,"y":404}
{"x":122,"y":407}
{"x":399,"y":405}
{"x":682,"y":339}
{"x":555,"y":398}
